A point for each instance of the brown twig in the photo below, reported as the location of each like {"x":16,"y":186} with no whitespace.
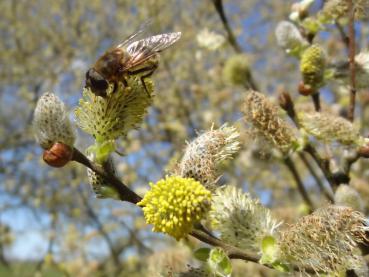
{"x":234,"y":252}
{"x":351,"y":111}
{"x":286,"y":102}
{"x":345,"y":39}
{"x":300,"y":186}
{"x":218,"y":4}
{"x":125,"y":194}
{"x":316,"y":101}
{"x":91,"y":213}
{"x":348,"y":161}
{"x":328,"y":194}
{"x":128,"y":195}
{"x":322,"y":163}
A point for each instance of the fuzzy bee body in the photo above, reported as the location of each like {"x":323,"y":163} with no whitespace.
{"x":129,"y":58}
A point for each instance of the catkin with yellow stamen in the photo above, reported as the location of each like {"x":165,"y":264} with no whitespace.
{"x":312,"y":66}
{"x":110,"y":117}
{"x":174,"y":204}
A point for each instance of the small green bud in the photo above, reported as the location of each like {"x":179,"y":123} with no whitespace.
{"x":236,"y":71}
{"x":312,"y":66}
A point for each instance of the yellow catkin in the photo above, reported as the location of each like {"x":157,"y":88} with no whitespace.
{"x":183,"y":202}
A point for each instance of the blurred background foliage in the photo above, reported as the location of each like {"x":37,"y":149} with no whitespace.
{"x":50,"y":222}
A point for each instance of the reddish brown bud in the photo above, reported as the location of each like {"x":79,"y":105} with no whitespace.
{"x":285,"y":101}
{"x":58,"y":155}
{"x":305,"y":90}
{"x":363,"y":151}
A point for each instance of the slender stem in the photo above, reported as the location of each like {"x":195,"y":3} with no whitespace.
{"x":234,"y":252}
{"x":316,"y":101}
{"x":345,"y":39}
{"x":322,"y":163}
{"x":125,"y":194}
{"x":231,"y":250}
{"x":218,"y":4}
{"x":113,"y":254}
{"x":300,"y":186}
{"x":328,"y":194}
{"x":348,"y":161}
{"x":286,"y":103}
{"x":351,"y":111}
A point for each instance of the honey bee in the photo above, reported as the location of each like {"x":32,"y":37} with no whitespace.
{"x":131,"y":57}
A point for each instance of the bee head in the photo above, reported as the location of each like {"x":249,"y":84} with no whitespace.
{"x":96,"y":82}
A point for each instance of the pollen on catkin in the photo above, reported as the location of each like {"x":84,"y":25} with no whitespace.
{"x":110,"y":117}
{"x":241,"y":220}
{"x":264,"y":118}
{"x":203,"y":156}
{"x":174,"y":204}
{"x":324,"y":240}
{"x":329,"y":128}
{"x":312,"y":66}
{"x":51,"y":123}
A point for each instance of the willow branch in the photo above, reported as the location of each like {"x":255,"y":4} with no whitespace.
{"x":322,"y":163}
{"x":91,"y":213}
{"x":128,"y":195}
{"x":348,"y":161}
{"x":327,"y":193}
{"x":234,"y":252}
{"x":125,"y":194}
{"x":351,"y":111}
{"x":345,"y":39}
{"x":316,"y":101}
{"x":287,"y":104}
{"x":300,"y":186}
{"x":218,"y":4}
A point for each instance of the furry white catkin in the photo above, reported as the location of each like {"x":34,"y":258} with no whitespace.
{"x":51,"y":122}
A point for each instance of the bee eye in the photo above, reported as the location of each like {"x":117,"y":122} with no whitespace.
{"x":99,"y":84}
{"x":96,"y":80}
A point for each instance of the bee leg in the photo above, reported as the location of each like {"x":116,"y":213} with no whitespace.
{"x":144,"y":84}
{"x":115,"y":87}
{"x":124,"y":81}
{"x":150,"y":70}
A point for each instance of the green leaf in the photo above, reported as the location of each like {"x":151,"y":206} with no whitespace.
{"x":202,"y":254}
{"x":269,"y":249}
{"x":280,"y":267}
{"x":103,"y":150}
{"x":219,"y":263}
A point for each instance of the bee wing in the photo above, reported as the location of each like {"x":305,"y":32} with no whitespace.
{"x":143,"y":49}
{"x":130,"y":39}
